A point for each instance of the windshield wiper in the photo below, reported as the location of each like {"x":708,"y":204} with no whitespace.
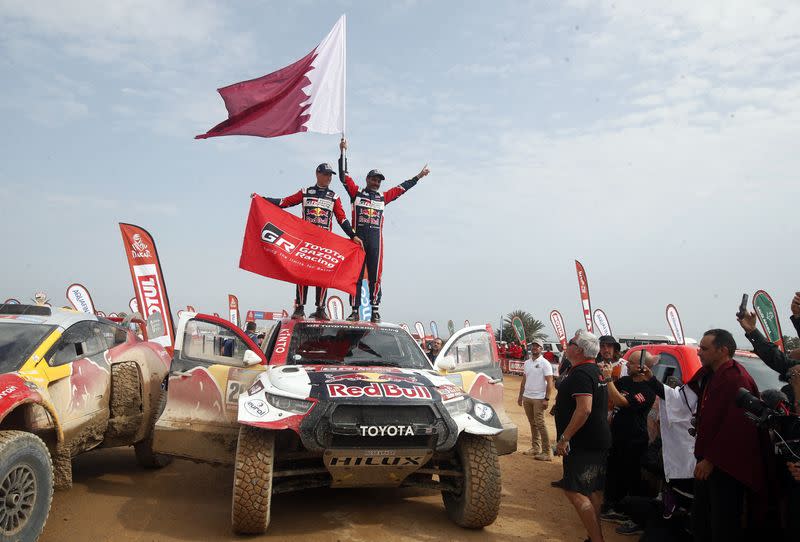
{"x":366,"y":362}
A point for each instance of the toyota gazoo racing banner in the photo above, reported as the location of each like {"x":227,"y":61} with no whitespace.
{"x":602,"y":323}
{"x":148,"y":284}
{"x":335,"y":307}
{"x":558,"y":325}
{"x":80,"y":298}
{"x":233,"y":310}
{"x":583,"y":286}
{"x":282,"y":246}
{"x":674,"y":321}
{"x":768,"y":317}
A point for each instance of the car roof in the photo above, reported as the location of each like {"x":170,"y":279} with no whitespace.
{"x":60,"y":317}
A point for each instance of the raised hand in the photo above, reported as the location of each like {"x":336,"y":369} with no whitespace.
{"x":424,"y":172}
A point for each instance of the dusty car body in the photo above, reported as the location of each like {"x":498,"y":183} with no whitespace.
{"x":69,"y":382}
{"x":335,"y":404}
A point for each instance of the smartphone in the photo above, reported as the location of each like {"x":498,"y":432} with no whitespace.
{"x":742,"y":307}
{"x":641,"y":360}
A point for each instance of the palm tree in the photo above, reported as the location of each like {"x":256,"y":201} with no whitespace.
{"x":533,"y":327}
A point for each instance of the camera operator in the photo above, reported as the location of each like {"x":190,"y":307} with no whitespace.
{"x":766,"y":350}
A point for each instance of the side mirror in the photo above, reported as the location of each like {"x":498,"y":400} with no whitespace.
{"x":251,"y":358}
{"x":444,"y":365}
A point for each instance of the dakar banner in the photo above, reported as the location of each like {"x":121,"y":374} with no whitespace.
{"x":519,"y":329}
{"x":282,"y":246}
{"x":451,"y":327}
{"x":558,"y":325}
{"x":79,"y":297}
{"x":768,"y":316}
{"x":420,"y":330}
{"x":148,"y":284}
{"x":233,"y":310}
{"x":602,"y":323}
{"x":335,"y":308}
{"x":583,"y":285}
{"x":308,"y":95}
{"x":674,"y":321}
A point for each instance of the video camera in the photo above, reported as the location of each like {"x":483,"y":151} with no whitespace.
{"x":771,"y":412}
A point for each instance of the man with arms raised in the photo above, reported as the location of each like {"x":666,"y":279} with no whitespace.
{"x":584,"y":437}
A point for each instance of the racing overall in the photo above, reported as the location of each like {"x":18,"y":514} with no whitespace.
{"x":320,"y":205}
{"x":368,"y":208}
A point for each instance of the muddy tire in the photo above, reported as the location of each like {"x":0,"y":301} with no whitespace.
{"x":477,"y":503}
{"x":252,"y":480}
{"x":26,"y":485}
{"x":145,"y":455}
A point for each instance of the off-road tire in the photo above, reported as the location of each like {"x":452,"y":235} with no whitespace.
{"x":26,"y":475}
{"x":145,"y":456}
{"x":252,"y":480}
{"x":477,"y":504}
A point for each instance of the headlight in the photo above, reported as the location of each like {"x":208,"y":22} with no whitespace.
{"x":459,"y":406}
{"x":288,"y":404}
{"x":483,"y":412}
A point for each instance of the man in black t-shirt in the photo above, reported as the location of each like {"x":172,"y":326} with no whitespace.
{"x":633,"y":398}
{"x":584,"y":436}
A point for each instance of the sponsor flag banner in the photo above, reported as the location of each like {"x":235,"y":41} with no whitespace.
{"x":674,"y":321}
{"x":466,"y":323}
{"x":306,"y":96}
{"x":11,"y":301}
{"x":101,"y":314}
{"x":583,"y":286}
{"x":252,"y":316}
{"x":190,"y":308}
{"x":80,"y":298}
{"x":406,"y":328}
{"x":336,"y":308}
{"x":434,"y":329}
{"x":768,"y":317}
{"x":420,"y":330}
{"x":519,"y":329}
{"x":451,"y":327}
{"x":558,"y":325}
{"x":602,"y":323}
{"x":233,"y":310}
{"x":365,"y":309}
{"x":282,"y":246}
{"x":133,"y":305}
{"x":148,"y":284}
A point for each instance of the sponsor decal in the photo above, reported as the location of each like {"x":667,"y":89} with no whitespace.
{"x":139,"y":248}
{"x":483,"y":412}
{"x":256,"y":407}
{"x":256,"y":388}
{"x":449,"y":391}
{"x":386,"y":431}
{"x":371,"y":377}
{"x":283,"y":341}
{"x":389,"y":391}
{"x":319,"y":204}
{"x":7,"y":391}
{"x":401,"y":461}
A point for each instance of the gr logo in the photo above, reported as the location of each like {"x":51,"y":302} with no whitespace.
{"x":275,"y":236}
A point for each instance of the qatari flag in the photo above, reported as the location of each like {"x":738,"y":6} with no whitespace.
{"x":307,"y":96}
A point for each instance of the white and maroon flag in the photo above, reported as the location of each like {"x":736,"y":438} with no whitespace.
{"x":583,"y":286}
{"x":558,"y":325}
{"x":674,"y":321}
{"x":80,"y":298}
{"x":601,"y":322}
{"x":233,"y":310}
{"x":306,"y":96}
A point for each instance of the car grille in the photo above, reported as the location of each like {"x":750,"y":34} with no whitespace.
{"x":342,"y":429}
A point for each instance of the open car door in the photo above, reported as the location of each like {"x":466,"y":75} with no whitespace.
{"x":214,"y":362}
{"x":472,"y":352}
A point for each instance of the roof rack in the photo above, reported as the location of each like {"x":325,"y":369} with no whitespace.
{"x":32,"y":310}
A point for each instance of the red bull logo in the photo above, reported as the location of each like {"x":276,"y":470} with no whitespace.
{"x":390,"y":391}
{"x":370,"y":377}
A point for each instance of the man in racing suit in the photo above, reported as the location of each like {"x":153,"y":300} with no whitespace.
{"x":320,"y":205}
{"x":368,"y":204}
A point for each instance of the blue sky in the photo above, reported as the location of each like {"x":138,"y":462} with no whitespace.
{"x":655,"y":143}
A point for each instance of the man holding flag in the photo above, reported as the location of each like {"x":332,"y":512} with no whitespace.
{"x":320,"y":206}
{"x":368,"y":204}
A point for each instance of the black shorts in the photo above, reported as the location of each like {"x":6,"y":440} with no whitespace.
{"x":585,"y":471}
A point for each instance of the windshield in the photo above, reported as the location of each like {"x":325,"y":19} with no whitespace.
{"x":354,"y":345}
{"x":766,"y":378}
{"x":18,"y":341}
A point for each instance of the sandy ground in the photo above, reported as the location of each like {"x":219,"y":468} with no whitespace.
{"x":113,"y":499}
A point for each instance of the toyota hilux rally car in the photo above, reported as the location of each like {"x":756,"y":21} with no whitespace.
{"x":337,"y":404}
{"x":69,"y":382}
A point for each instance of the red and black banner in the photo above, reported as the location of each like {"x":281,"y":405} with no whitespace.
{"x":282,"y":246}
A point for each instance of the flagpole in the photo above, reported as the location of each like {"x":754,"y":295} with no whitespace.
{"x":344,"y":69}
